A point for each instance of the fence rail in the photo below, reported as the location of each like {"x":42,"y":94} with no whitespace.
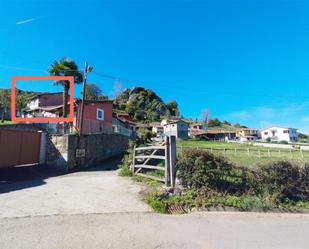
{"x":253,"y":152}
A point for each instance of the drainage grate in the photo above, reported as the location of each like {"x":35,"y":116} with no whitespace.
{"x":176,"y":209}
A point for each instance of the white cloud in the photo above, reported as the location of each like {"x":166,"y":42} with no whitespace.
{"x":293,"y":115}
{"x":26,"y":21}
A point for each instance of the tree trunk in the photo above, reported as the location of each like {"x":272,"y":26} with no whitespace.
{"x":65,"y":99}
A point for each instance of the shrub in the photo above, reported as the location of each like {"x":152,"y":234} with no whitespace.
{"x":283,"y":142}
{"x":144,"y":135}
{"x":124,"y":167}
{"x":276,"y":181}
{"x":200,"y":169}
{"x":283,"y":180}
{"x":156,"y":203}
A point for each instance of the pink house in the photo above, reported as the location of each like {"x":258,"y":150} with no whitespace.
{"x":98,"y":115}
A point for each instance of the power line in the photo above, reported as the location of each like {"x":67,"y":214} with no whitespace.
{"x":113,"y":77}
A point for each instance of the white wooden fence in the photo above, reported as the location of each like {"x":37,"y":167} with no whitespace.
{"x":149,"y":158}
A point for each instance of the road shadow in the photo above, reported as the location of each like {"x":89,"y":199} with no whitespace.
{"x":17,"y":178}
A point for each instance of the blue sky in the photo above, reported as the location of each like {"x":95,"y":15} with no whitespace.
{"x":246,"y":61}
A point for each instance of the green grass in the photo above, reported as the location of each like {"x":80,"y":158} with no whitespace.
{"x":6,"y":122}
{"x":243,"y":154}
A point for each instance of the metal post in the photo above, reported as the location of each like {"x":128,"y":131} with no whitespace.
{"x":167,"y":161}
{"x":133,"y":162}
{"x":83,"y":100}
{"x":172,"y":149}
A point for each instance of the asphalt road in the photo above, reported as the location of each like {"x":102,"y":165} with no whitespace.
{"x":99,"y":209}
{"x":149,"y":230}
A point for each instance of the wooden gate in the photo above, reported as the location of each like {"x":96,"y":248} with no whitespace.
{"x":148,"y":158}
{"x":19,"y":147}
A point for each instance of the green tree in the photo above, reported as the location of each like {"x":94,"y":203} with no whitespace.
{"x":173,"y":107}
{"x":21,"y":102}
{"x":65,"y":67}
{"x":4,"y":102}
{"x":93,"y":92}
{"x":214,"y":122}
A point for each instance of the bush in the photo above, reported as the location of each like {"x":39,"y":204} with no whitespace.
{"x":277,"y":181}
{"x":124,"y":167}
{"x":156,"y":203}
{"x":283,"y":180}
{"x":200,"y":169}
{"x":283,"y":142}
{"x":144,"y":135}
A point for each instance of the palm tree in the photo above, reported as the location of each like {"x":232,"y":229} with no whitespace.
{"x":65,"y":67}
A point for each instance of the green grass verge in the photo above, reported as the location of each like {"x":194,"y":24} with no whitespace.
{"x":6,"y":122}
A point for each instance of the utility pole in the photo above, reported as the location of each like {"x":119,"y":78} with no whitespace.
{"x":87,"y":69}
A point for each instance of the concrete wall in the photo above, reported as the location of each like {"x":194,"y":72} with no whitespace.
{"x":70,"y":151}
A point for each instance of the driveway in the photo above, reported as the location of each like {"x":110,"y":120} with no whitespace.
{"x":94,"y":191}
{"x":99,"y":209}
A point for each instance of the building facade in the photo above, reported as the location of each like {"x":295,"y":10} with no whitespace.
{"x":277,"y":133}
{"x":177,"y":128}
{"x":247,"y":134}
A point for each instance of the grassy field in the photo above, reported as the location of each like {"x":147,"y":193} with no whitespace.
{"x":242,"y":154}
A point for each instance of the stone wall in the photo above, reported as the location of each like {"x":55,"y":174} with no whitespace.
{"x":57,"y":151}
{"x":71,"y":151}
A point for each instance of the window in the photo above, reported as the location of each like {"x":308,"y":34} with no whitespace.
{"x":100,"y":114}
{"x":265,"y":133}
{"x":286,"y":131}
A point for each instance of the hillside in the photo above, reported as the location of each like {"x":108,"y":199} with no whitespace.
{"x":5,"y":101}
{"x":144,"y":105}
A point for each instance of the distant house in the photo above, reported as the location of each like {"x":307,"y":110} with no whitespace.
{"x":97,"y":116}
{"x":45,"y":105}
{"x":126,"y":119}
{"x":158,"y":130}
{"x":124,"y":125}
{"x":178,"y":128}
{"x":196,"y":130}
{"x":219,"y":135}
{"x":277,"y":133}
{"x":246,"y":134}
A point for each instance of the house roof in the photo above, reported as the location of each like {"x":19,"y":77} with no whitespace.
{"x":219,"y":132}
{"x":247,"y":129}
{"x":140,"y":125}
{"x":174,"y":121}
{"x":277,"y":126}
{"x":45,"y":94}
{"x":49,"y":99}
{"x":94,"y":101}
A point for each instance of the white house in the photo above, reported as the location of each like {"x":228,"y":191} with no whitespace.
{"x":246,"y":134}
{"x":158,"y":129}
{"x":178,"y":128}
{"x":277,"y":133}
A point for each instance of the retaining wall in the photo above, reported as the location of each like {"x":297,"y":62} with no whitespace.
{"x":70,"y":151}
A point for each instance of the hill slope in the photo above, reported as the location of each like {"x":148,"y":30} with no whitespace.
{"x":144,"y":105}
